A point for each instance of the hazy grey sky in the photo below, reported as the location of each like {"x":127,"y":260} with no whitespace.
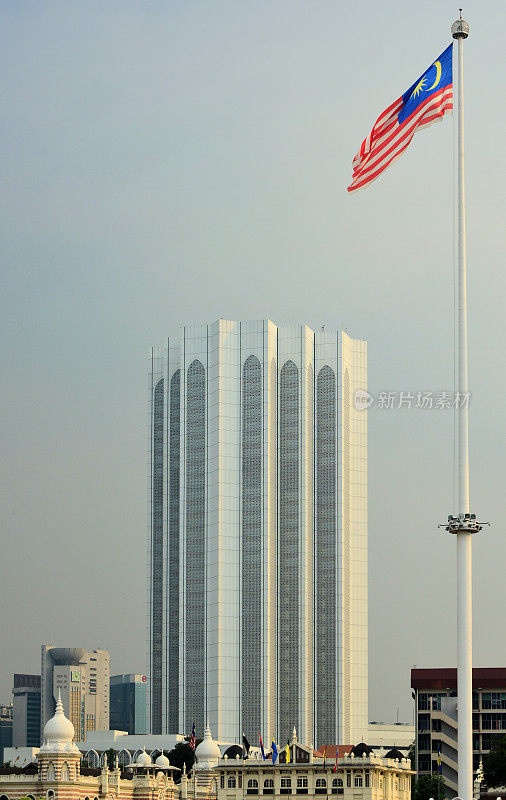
{"x":173,"y":162}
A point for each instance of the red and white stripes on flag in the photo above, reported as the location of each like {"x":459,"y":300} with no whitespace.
{"x":389,"y":139}
{"x":192,"y":738}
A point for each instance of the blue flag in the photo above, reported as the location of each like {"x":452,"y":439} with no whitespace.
{"x":274,"y":752}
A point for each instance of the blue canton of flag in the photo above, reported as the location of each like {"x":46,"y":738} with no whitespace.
{"x":425,"y":102}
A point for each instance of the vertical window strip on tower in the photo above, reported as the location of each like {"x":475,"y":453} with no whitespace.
{"x":326,"y":557}
{"x":173,"y":572}
{"x":157,"y":559}
{"x":195,"y":546}
{"x":288,"y":583}
{"x":251,"y":544}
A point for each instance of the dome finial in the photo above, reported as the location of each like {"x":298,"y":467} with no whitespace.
{"x":59,"y":732}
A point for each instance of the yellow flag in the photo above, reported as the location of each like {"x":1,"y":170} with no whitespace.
{"x":287,"y":754}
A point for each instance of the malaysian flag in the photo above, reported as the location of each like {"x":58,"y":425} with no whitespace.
{"x":426,"y":101}
{"x":192,"y":738}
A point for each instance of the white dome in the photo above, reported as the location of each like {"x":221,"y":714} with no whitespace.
{"x":59,"y":732}
{"x":162,"y":761}
{"x":207,"y":753}
{"x":143,"y":760}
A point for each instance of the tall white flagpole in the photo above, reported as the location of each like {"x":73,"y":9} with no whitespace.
{"x":463,"y":524}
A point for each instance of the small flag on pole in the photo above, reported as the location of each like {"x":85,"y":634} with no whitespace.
{"x":325,"y":756}
{"x":245,"y":745}
{"x":335,"y":763}
{"x":192,"y":738}
{"x":262,"y":747}
{"x":425,"y":102}
{"x":287,"y":753}
{"x":274,"y":752}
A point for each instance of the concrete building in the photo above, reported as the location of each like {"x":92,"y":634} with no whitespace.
{"x":384,"y":736}
{"x":257,"y":592}
{"x":436,"y":715}
{"x":26,"y":711}
{"x":82,"y":677}
{"x":5,"y":729}
{"x":127,"y":702}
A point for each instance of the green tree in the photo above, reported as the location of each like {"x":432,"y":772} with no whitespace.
{"x":182,"y":754}
{"x":494,"y":763}
{"x":111,"y":757}
{"x":428,"y":786}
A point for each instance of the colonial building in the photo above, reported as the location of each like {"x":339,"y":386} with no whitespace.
{"x":58,"y":775}
{"x":356,"y":774}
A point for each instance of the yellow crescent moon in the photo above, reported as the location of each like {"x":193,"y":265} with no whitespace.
{"x":436,"y":64}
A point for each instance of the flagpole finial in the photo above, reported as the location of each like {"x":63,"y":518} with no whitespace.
{"x":460,"y":28}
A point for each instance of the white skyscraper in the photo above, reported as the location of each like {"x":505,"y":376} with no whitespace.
{"x":257,"y":591}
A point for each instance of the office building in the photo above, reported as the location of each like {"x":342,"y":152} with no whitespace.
{"x":5,"y":729}
{"x":436,"y":718}
{"x":82,"y":677}
{"x":128,"y":703}
{"x":257,"y":591}
{"x":26,"y":713}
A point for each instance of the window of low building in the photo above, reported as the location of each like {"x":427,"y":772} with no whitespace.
{"x":231,"y":782}
{"x":357,"y":781}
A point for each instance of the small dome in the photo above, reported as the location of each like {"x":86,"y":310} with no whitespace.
{"x":143,"y":760}
{"x":58,"y":729}
{"x":361,"y":749}
{"x":162,"y":761}
{"x":394,"y":753}
{"x":233,"y":751}
{"x":208,"y":753}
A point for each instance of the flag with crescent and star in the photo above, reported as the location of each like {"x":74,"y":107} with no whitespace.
{"x":425,"y":102}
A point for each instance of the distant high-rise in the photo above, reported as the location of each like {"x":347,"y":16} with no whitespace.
{"x":26,"y":714}
{"x":128,"y":703}
{"x":257,"y":597}
{"x":6,"y":727}
{"x":82,"y":677}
